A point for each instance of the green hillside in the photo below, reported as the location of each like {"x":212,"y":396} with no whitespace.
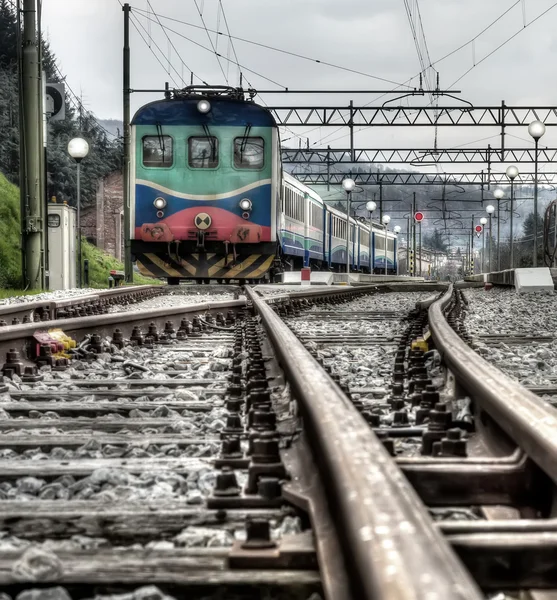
{"x":10,"y":252}
{"x":100,"y":265}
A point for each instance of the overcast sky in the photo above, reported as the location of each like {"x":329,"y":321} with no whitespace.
{"x":370,"y":36}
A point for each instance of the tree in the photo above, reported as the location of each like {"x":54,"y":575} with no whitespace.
{"x":528,"y":226}
{"x":105,"y":153}
{"x":436,"y":241}
{"x":524,"y":246}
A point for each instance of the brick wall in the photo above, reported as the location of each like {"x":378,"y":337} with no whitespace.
{"x":103,"y":223}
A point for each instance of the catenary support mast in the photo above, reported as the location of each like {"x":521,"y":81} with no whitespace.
{"x":33,"y":229}
{"x":128,"y":268}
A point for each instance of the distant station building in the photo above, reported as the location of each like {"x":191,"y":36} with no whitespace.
{"x":102,"y":223}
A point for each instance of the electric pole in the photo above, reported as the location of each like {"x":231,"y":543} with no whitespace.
{"x":128,"y":268}
{"x":32,"y":184}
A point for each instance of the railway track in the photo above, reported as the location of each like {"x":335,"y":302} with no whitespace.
{"x":82,"y":305}
{"x":300,"y":443}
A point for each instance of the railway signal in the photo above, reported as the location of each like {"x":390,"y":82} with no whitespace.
{"x":418,"y":217}
{"x":478,"y":230}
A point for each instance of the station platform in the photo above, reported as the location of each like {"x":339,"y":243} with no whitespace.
{"x":328,"y":278}
{"x":541,"y":279}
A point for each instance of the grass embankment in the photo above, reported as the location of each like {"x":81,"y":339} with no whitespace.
{"x":10,"y":253}
{"x":100,"y":263}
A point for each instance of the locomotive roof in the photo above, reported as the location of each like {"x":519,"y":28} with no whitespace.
{"x":224,"y":111}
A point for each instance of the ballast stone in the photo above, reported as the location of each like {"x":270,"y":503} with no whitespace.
{"x":533,"y":280}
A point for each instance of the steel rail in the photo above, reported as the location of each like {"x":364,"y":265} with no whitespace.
{"x":50,"y":307}
{"x":526,"y":418}
{"x":390,"y":543}
{"x":18,"y":337}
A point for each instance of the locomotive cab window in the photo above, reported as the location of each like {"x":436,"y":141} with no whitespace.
{"x":158,"y":151}
{"x":203,"y":152}
{"x":249,"y":152}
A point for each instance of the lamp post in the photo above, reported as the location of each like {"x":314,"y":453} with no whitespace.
{"x":397,"y":229}
{"x":536,"y":129}
{"x":490,"y":209}
{"x":348,"y":185}
{"x":78,"y":149}
{"x":512,"y":173}
{"x":386,"y":220}
{"x":371,"y":206}
{"x":483,"y":222}
{"x":498,"y":193}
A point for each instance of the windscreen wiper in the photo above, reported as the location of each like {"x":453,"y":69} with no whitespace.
{"x":244,"y":142}
{"x":211,"y":142}
{"x":161,"y":139}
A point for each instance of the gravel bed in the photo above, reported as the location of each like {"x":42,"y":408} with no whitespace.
{"x":392,"y":301}
{"x":192,"y":536}
{"x":502,"y":311}
{"x":183,"y":296}
{"x":94,"y":449}
{"x":47,"y":296}
{"x":531,"y":364}
{"x":141,"y":363}
{"x":368,"y":367}
{"x":278,"y":289}
{"x":187,"y":486}
{"x":186,"y":422}
{"x":152,"y":592}
{"x":112,"y":485}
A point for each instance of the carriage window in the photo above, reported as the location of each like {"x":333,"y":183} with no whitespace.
{"x":203,"y":152}
{"x":316,"y":216}
{"x":157,"y":151}
{"x":249,"y":152}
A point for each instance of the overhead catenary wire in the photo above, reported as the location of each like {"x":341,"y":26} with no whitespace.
{"x":133,"y":20}
{"x":418,"y":33}
{"x":172,"y":44}
{"x":220,"y":55}
{"x":282,"y":51}
{"x":503,"y":44}
{"x":303,"y":135}
{"x":210,"y":40}
{"x":459,"y":48}
{"x":231,"y":41}
{"x":472,"y":40}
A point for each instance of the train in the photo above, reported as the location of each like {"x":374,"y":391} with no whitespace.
{"x":210,"y":200}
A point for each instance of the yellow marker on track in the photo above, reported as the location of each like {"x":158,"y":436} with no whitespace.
{"x":65,"y":340}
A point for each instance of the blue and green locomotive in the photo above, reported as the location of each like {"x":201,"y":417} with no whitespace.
{"x":209,"y":198}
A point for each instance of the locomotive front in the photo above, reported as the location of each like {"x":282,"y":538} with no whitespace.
{"x":205,"y":177}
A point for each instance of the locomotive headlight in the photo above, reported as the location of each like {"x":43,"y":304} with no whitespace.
{"x":204,"y":106}
{"x":159,"y":203}
{"x":245,"y":204}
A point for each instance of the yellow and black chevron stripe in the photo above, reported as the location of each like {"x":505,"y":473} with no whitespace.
{"x":205,"y":266}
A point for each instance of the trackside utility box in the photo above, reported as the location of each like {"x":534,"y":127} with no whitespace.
{"x":62,"y":243}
